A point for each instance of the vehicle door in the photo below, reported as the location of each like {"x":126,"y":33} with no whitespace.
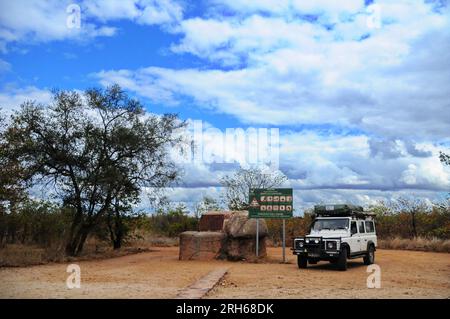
{"x":363,"y":238}
{"x":370,"y":232}
{"x":353,"y":241}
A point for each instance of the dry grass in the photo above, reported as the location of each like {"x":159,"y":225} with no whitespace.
{"x":419,"y":243}
{"x":142,"y":238}
{"x":21,"y":255}
{"x":155,"y":241}
{"x":17,"y":255}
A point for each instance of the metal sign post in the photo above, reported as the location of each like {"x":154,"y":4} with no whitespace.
{"x":257,"y":237}
{"x":284,"y":240}
{"x":271,"y":203}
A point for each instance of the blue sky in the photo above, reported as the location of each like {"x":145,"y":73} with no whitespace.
{"x":358,"y":89}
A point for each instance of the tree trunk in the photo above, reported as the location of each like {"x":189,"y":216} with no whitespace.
{"x":115,"y":227}
{"x":84,"y":234}
{"x":71,"y":247}
{"x":74,"y":235}
{"x":72,"y":244}
{"x":75,"y":244}
{"x":117,"y":244}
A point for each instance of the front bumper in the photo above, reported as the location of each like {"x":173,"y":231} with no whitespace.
{"x":317,"y":247}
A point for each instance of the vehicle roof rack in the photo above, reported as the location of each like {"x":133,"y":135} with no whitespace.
{"x":340,"y":210}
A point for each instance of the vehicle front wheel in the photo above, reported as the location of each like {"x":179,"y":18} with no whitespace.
{"x":342,"y":259}
{"x":369,"y":258}
{"x":302,"y":261}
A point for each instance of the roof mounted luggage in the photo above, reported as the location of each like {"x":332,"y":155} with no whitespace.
{"x":340,"y":210}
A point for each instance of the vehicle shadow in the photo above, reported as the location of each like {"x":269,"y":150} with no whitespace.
{"x":324,"y":265}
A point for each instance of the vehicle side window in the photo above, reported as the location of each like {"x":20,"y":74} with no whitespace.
{"x":361,"y":227}
{"x":354,"y":230}
{"x":369,"y":227}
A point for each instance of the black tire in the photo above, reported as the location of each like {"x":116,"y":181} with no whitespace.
{"x":342,"y":259}
{"x":302,"y":261}
{"x":369,"y":258}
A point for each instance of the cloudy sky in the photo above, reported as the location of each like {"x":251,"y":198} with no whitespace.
{"x":358,"y":90}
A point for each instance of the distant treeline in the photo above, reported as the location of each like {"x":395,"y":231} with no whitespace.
{"x":401,"y":219}
{"x":46,"y":225}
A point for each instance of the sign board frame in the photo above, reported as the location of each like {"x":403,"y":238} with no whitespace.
{"x":281,"y":204}
{"x":271,"y":203}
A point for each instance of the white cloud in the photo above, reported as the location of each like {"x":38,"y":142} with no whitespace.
{"x":142,"y":11}
{"x":321,"y":166}
{"x":43,"y":21}
{"x":11,"y":98}
{"x":297,"y":63}
{"x":385,"y":89}
{"x":317,"y":161}
{"x":285,"y":7}
{"x":328,"y":167}
{"x":296,"y":72}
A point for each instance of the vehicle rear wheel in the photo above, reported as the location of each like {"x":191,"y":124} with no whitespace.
{"x":302,"y":261}
{"x":342,"y":259}
{"x":369,"y":258}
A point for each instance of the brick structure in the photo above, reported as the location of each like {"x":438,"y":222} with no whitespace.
{"x":201,"y":245}
{"x":224,"y":234}
{"x":213,"y":221}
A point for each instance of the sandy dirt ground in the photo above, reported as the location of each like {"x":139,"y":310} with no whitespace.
{"x":159,"y":274}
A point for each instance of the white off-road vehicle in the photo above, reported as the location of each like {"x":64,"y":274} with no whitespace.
{"x":338,"y":233}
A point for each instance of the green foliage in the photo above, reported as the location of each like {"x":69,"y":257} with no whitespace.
{"x":171,"y":221}
{"x":35,"y":222}
{"x":394,"y":220}
{"x":98,"y":150}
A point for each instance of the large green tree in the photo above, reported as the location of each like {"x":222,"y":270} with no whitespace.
{"x":96,"y":150}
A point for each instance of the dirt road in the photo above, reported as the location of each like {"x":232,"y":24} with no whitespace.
{"x":159,"y":274}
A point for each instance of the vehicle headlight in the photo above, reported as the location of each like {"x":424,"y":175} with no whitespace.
{"x":316,"y":241}
{"x":300,"y":244}
{"x":307,"y":241}
{"x":330,"y":245}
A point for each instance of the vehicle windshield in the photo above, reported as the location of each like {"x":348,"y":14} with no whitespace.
{"x":330,"y":224}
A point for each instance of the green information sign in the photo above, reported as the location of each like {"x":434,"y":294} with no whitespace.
{"x":271,"y":203}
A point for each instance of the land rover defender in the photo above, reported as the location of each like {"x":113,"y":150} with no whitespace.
{"x":338,"y":233}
